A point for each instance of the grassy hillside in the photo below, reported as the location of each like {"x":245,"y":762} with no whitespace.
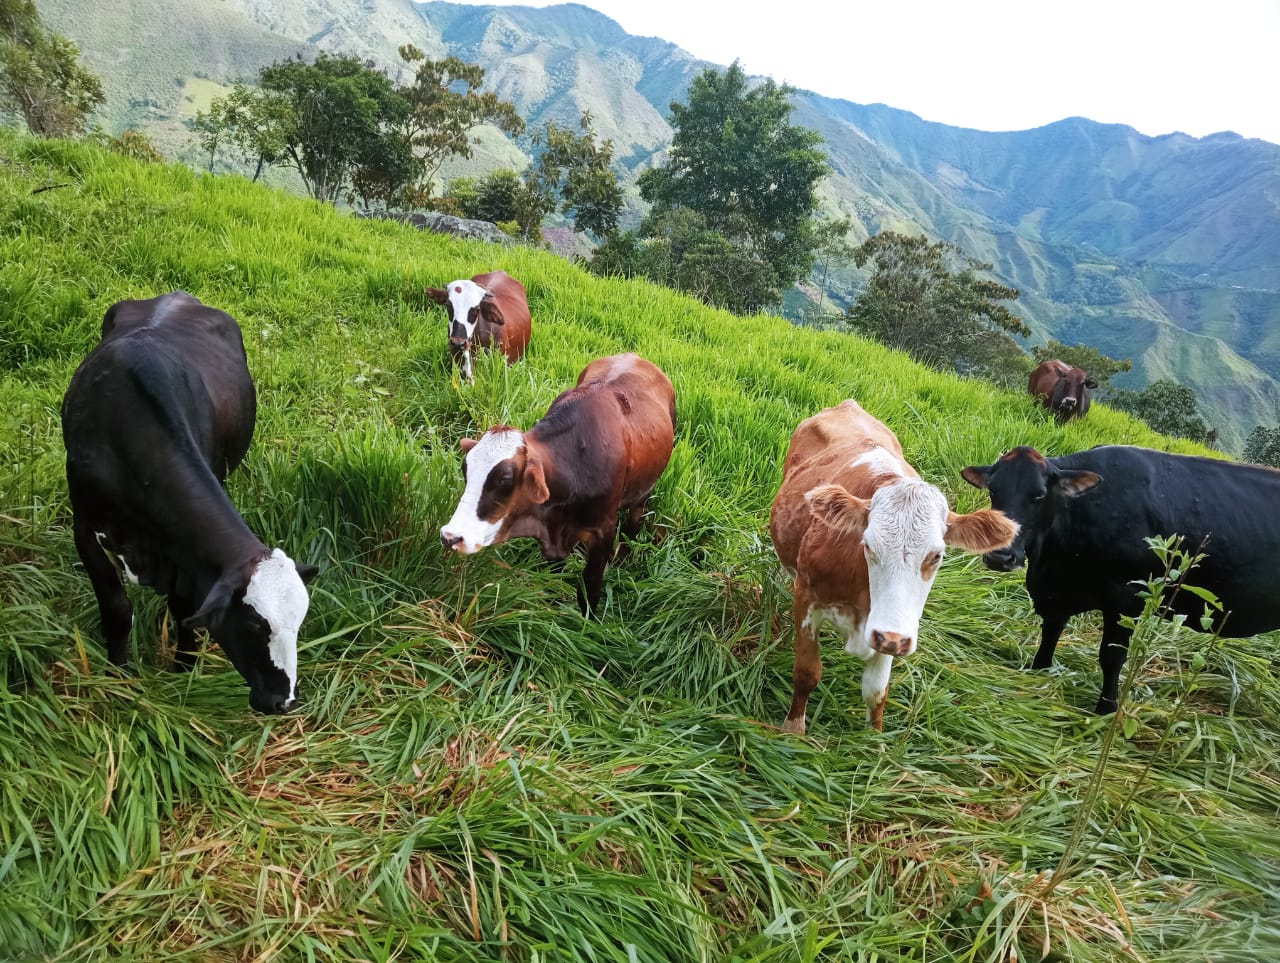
{"x":477,"y":773}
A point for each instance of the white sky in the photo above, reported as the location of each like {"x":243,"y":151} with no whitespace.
{"x":1157,"y":65}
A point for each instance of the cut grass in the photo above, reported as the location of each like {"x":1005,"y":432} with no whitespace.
{"x":478,"y":772}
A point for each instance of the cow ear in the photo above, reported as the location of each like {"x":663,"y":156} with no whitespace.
{"x":535,"y":481}
{"x":1090,"y":384}
{"x":489,"y":308}
{"x":982,"y":531}
{"x":306,"y":572}
{"x":466,"y":444}
{"x":834,"y":506}
{"x":977,"y":476}
{"x":1076,"y":482}
{"x":438,"y":295}
{"x":213,"y":608}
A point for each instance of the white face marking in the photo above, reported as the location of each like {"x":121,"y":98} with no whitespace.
{"x":276,"y":593}
{"x":879,"y":461}
{"x":905,"y":527}
{"x":466,"y":524}
{"x":463,"y":296}
{"x":128,"y":574}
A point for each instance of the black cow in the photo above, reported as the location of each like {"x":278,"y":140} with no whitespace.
{"x":153,"y":420}
{"x":1084,"y":519}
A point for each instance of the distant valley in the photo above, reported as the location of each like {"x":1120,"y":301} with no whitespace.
{"x":1164,"y":250}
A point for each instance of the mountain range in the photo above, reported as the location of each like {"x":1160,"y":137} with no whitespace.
{"x":1164,"y":250}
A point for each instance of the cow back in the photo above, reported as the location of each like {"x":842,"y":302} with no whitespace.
{"x":615,"y":427}
{"x":1092,"y":553}
{"x":512,"y":336}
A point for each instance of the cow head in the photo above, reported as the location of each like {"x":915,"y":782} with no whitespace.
{"x":902,"y":531}
{"x":465,"y":302}
{"x":1070,"y":396}
{"x":254,"y":612}
{"x":502,"y":481}
{"x":1026,"y":487}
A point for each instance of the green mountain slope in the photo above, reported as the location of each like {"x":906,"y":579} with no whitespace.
{"x":477,"y":772}
{"x":1108,"y":234}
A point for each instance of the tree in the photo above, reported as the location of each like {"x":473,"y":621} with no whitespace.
{"x":41,"y":76}
{"x":1167,"y":407}
{"x":926,"y":298}
{"x":831,"y":245}
{"x":256,"y":122}
{"x":737,"y":161}
{"x":441,"y":117}
{"x":1263,"y":446}
{"x":578,"y":170}
{"x":342,"y":110}
{"x":1099,"y":366}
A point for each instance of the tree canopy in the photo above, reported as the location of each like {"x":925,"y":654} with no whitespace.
{"x":1263,"y":446}
{"x":749,"y":175}
{"x":578,"y":170}
{"x":1168,"y":407}
{"x":926,"y":298}
{"x":41,"y":77}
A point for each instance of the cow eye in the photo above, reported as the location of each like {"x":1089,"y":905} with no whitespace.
{"x":934,"y":559}
{"x":871,"y":556}
{"x":1038,"y":498}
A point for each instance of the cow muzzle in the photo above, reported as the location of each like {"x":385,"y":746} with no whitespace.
{"x":271,"y":703}
{"x":457,"y":345}
{"x":1003,"y":559}
{"x":892,"y":643}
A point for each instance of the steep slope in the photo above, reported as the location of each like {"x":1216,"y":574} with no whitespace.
{"x":1109,"y":235}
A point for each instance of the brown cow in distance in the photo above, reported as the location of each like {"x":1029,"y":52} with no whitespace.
{"x":1062,"y":388}
{"x":863,"y":535}
{"x":598,"y":450}
{"x":489,"y":310}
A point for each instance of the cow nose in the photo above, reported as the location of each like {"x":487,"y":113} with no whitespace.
{"x":457,"y":344}
{"x":271,"y":703}
{"x":449,"y":541}
{"x":890,"y":643}
{"x":1001,"y":560}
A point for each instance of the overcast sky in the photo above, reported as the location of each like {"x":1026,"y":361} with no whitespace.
{"x":1157,"y":65}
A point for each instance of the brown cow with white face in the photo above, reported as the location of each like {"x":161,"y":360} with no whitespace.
{"x":490,"y":309}
{"x":1061,"y":388}
{"x":863,"y":535}
{"x":598,"y":450}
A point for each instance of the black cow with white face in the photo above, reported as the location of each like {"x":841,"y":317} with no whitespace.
{"x":1084,"y":520}
{"x":154,"y":418}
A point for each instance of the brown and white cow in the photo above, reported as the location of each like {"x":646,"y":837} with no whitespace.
{"x":490,"y":309}
{"x":598,"y":450}
{"x":863,"y":535}
{"x":1062,"y":388}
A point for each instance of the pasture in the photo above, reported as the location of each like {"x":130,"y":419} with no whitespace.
{"x":477,"y":772}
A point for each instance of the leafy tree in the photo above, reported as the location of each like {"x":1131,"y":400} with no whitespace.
{"x":441,"y":116}
{"x":737,"y":161}
{"x":1263,"y":446}
{"x":502,"y":197}
{"x":41,"y":76}
{"x":578,"y":170}
{"x":1099,"y":366}
{"x":926,"y":298}
{"x":342,"y":111}
{"x":675,"y":248}
{"x":1168,"y":407}
{"x":831,"y":245}
{"x":256,"y":122}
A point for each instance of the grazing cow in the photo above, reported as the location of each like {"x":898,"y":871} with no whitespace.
{"x":1061,"y":388}
{"x":1084,"y":519}
{"x":489,"y":309}
{"x":598,"y":450}
{"x":154,"y":418}
{"x":863,"y":536}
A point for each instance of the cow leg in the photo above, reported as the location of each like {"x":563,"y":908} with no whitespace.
{"x":1051,"y":627}
{"x":184,"y":652}
{"x":806,"y":670}
{"x":1112,"y":652}
{"x":875,"y":688}
{"x":598,"y":551}
{"x":632,"y":522}
{"x":114,"y":608}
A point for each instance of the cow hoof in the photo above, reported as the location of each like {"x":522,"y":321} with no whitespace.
{"x":794,"y":726}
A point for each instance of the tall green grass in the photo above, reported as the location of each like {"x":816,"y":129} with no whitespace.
{"x":478,"y":773}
